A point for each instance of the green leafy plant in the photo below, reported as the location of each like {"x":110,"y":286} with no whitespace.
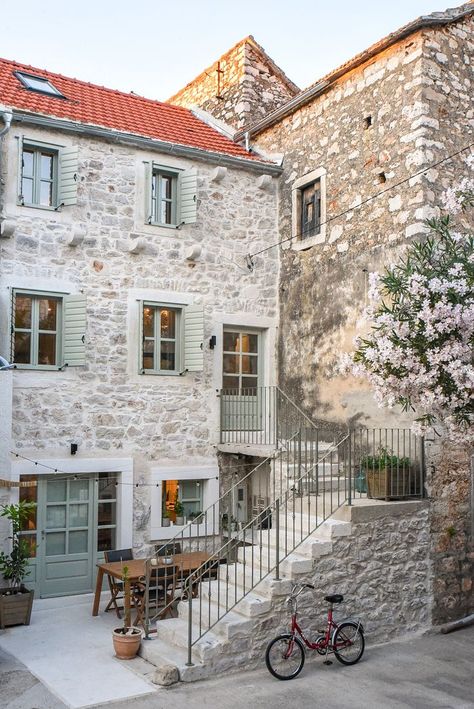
{"x":451,"y":532}
{"x":14,"y":566}
{"x":383,"y":459}
{"x":178,"y":508}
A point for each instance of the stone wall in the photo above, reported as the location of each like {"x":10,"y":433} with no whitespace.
{"x":242,"y":87}
{"x":107,"y":407}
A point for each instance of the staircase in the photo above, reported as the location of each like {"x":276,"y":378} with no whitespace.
{"x":234,"y":601}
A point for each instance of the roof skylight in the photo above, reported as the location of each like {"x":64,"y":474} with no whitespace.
{"x":38,"y":84}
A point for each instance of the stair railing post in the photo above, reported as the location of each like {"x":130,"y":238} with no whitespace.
{"x":349,"y":497}
{"x":277,"y":529}
{"x":189,"y":662}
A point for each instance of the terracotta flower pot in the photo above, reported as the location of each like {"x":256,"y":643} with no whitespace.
{"x":126,"y":642}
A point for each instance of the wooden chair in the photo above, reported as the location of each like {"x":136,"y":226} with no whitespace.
{"x":168,"y":548}
{"x":161,"y":592}
{"x":116,"y":586}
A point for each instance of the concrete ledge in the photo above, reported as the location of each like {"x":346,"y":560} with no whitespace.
{"x":366,"y":510}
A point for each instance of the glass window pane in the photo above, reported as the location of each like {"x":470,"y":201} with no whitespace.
{"x":29,"y":494}
{"x":78,"y":542}
{"x":165,"y":213}
{"x":250,"y":383}
{"x":148,"y":354}
{"x":231,"y":383}
{"x":55,"y":516}
{"x":79,"y":490}
{"x":56,"y":491}
{"x":231,"y":364}
{"x":105,"y":539}
{"x":46,"y":349}
{"x":106,"y":513}
{"x":46,"y":166}
{"x":46,"y":194}
{"x":249,"y":343}
{"x":249,"y":364}
{"x":23,"y":304}
{"x":168,"y":323}
{"x":166,"y":186}
{"x":27,"y":190}
{"x":78,"y":515}
{"x":148,"y":320}
{"x":28,"y":158}
{"x":48,"y":308}
{"x":168,"y":357}
{"x":30,"y":540}
{"x":107,"y":486}
{"x":55,"y":543}
{"x":231,"y":342}
{"x":22,"y":348}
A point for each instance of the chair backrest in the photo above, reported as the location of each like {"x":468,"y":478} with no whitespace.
{"x":118,"y":555}
{"x":168,"y":549}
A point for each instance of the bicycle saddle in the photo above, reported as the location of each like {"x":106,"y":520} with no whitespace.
{"x":335,"y":598}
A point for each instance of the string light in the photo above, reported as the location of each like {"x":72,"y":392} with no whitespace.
{"x":250,"y":257}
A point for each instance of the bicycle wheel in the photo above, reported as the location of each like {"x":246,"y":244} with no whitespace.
{"x":285,"y":657}
{"x":348,"y":641}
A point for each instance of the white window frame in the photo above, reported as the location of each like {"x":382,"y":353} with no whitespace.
{"x":179,"y":339}
{"x":38,"y":147}
{"x":299,"y":243}
{"x":36,"y":296}
{"x":208,"y":475}
{"x":158,"y":172}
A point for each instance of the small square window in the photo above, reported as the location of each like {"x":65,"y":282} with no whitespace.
{"x":38,"y":84}
{"x":164,"y":198}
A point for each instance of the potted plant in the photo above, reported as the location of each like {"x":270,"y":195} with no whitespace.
{"x":16,"y":601}
{"x":165,"y":518}
{"x":179,"y":509}
{"x":128,"y":638}
{"x":387,"y":475}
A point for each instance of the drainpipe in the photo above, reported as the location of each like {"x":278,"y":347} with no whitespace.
{"x":6,"y":116}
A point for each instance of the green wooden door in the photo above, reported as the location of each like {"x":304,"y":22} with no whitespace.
{"x":65,"y":553}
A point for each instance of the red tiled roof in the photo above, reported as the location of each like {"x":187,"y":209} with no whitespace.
{"x":99,"y":106}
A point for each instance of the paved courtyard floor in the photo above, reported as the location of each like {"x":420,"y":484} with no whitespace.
{"x":429,"y":672}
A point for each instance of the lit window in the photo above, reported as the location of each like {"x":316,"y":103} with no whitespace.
{"x":161,"y":351}
{"x":38,"y":84}
{"x":183,"y":498}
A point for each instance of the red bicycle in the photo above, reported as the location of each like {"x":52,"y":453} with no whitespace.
{"x":285,"y":654}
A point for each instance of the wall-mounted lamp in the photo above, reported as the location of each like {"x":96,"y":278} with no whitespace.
{"x":212,"y":342}
{"x":74,"y":448}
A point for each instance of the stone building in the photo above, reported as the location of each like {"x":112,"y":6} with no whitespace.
{"x":393,"y":110}
{"x":124,"y":225}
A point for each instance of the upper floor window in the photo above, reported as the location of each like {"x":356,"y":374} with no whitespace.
{"x":38,"y":84}
{"x":39,"y":176}
{"x":171,"y":199}
{"x":47,"y":174}
{"x":309,"y":209}
{"x":48,"y":329}
{"x":241,"y":365}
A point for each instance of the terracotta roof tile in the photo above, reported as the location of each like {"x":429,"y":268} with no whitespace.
{"x":91,"y":104}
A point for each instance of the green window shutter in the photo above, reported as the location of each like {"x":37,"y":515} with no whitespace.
{"x":188,"y":197}
{"x":193,"y":338}
{"x":140,"y":337}
{"x":74,"y":330}
{"x":67,"y":177}
{"x":20,"y":169}
{"x":12,"y":325}
{"x":148,"y":192}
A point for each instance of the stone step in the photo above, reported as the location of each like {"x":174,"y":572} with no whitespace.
{"x":265,"y":559}
{"x":312,"y":545}
{"x":333,"y":528}
{"x":225,"y":594}
{"x":264,"y":584}
{"x":164,"y":655}
{"x":228,"y":625}
{"x":174,"y":632}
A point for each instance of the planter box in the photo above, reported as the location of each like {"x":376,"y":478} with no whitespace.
{"x":15,"y":609}
{"x":387,"y":484}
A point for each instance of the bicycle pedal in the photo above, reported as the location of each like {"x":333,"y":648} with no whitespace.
{"x":327,"y":662}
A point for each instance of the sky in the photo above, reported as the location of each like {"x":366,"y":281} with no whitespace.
{"x":155,"y":47}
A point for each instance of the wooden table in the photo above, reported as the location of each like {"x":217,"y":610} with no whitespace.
{"x":188,"y":561}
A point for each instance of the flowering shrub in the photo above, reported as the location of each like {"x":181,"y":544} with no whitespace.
{"x":419,"y":353}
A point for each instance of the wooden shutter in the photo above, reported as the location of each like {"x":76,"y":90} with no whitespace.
{"x":188,"y":197}
{"x":140,"y":337}
{"x":12,"y":325}
{"x":193,"y":338}
{"x":74,"y":330}
{"x":67,"y":179}
{"x":148,"y":193}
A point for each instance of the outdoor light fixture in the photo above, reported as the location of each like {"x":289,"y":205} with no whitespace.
{"x":212,"y":342}
{"x":74,"y":448}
